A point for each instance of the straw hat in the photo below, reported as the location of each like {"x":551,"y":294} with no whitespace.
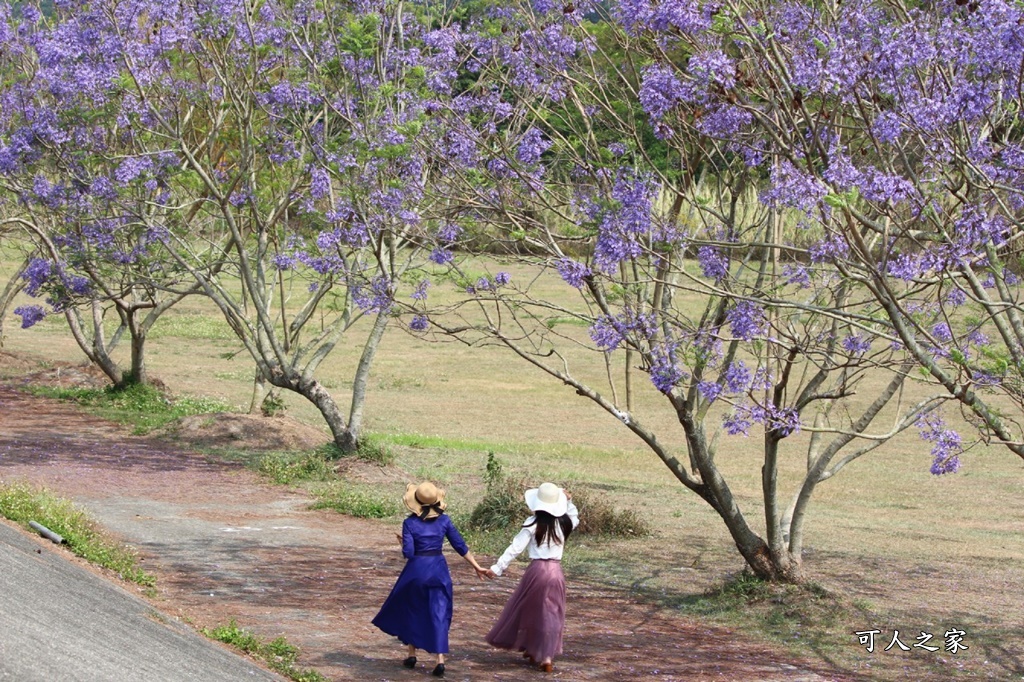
{"x":547,"y":498}
{"x":426,"y":494}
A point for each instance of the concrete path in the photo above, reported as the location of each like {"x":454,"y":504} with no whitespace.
{"x":59,"y":622}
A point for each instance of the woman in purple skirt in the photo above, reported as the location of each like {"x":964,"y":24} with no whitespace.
{"x":534,"y":617}
{"x":419,"y":609}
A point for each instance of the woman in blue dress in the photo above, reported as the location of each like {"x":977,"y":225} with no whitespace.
{"x":419,"y":609}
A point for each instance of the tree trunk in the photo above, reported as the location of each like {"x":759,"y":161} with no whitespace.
{"x":14,"y":286}
{"x":321,"y":397}
{"x":259,"y":389}
{"x":95,"y":350}
{"x":139,"y":374}
{"x":776,"y":565}
{"x":355,"y":418}
{"x":313,"y":391}
{"x":769,"y":566}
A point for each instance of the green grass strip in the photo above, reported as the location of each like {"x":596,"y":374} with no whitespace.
{"x":142,"y":407}
{"x":277,"y":654}
{"x":22,"y":503}
{"x":361,"y":501}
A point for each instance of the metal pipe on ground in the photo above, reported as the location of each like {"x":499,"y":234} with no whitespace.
{"x":46,"y":532}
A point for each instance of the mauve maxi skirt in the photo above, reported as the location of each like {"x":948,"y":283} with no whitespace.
{"x":534,"y":617}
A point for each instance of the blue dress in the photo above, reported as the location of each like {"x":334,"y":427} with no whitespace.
{"x":419,"y":609}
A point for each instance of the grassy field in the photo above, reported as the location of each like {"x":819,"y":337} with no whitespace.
{"x":889,"y":546}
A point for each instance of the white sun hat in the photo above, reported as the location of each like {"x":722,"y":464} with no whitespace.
{"x":547,"y":498}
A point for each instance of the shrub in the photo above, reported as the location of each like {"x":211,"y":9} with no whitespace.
{"x":368,"y":449}
{"x":273,"y":405}
{"x":598,"y":517}
{"x":360,"y":502}
{"x":374,"y":451}
{"x":284,"y":468}
{"x":503,"y":503}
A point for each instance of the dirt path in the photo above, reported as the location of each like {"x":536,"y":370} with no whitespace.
{"x":224,"y":545}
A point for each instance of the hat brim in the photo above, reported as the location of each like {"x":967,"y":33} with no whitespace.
{"x":558,"y":508}
{"x":413,"y":505}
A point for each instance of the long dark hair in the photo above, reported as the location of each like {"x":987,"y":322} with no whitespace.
{"x":545,"y":523}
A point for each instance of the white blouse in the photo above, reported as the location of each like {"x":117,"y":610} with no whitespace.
{"x":527,"y":538}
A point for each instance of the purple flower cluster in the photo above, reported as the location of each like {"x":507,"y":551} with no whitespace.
{"x":43,"y":275}
{"x":747,"y":320}
{"x":660,"y":91}
{"x":377,"y":297}
{"x":969,"y":236}
{"x":441,"y":256}
{"x":978,"y":338}
{"x":36,"y":274}
{"x":608,"y":332}
{"x":617,"y":149}
{"x":714,"y":264}
{"x":797,"y":274}
{"x":132,"y":168}
{"x":737,"y":377}
{"x":284,"y":261}
{"x":319,"y":183}
{"x":956,"y":297}
{"x":942,"y":332}
{"x":420,"y":292}
{"x":709,"y":390}
{"x":946,"y":444}
{"x":783,"y":420}
{"x":713,"y":67}
{"x":737,"y":422}
{"x":536,"y":58}
{"x":665,"y":370}
{"x":795,"y":188}
{"x":666,"y":16}
{"x":625,"y":221}
{"x":832,"y":248}
{"x":448,"y":233}
{"x":531,"y":146}
{"x":855,"y":344}
{"x":419,"y":323}
{"x":573,"y":272}
{"x":30,"y":314}
{"x":724,"y":121}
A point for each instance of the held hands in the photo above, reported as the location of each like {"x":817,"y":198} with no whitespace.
{"x":482,"y":573}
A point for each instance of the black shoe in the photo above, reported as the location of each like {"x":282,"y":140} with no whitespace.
{"x":439,"y":670}
{"x":410,"y":662}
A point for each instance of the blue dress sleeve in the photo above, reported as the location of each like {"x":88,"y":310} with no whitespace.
{"x":452,"y":533}
{"x":408,"y":545}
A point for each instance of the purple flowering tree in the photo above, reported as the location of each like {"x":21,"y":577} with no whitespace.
{"x":891,"y":132}
{"x":78,"y":194}
{"x":730,"y":231}
{"x":894,"y":129}
{"x":284,"y":152}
